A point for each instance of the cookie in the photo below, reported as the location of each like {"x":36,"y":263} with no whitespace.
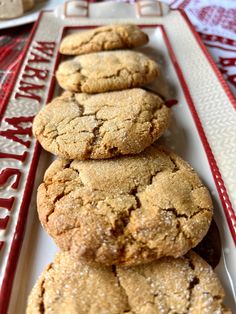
{"x":28,"y":5}
{"x":183,"y":285}
{"x":99,"y":126}
{"x":127,"y":210}
{"x":106,"y":71}
{"x":103,"y":38}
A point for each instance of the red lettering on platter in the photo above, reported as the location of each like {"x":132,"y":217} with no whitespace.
{"x":46,"y":48}
{"x":26,"y":89}
{"x":7,"y":203}
{"x":41,"y":74}
{"x":36,"y":58}
{"x":42,"y":53}
{"x":4,"y":222}
{"x":14,"y":156}
{"x":19,"y":130}
{"x":8,"y":173}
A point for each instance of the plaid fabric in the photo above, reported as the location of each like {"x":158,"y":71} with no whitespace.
{"x":12,"y":42}
{"x":214,"y":20}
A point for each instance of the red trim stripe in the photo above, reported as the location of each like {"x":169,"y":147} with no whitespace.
{"x":18,"y":237}
{"x":222,"y":191}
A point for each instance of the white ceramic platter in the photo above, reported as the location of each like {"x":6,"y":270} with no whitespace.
{"x":202,"y":131}
{"x":31,"y":15}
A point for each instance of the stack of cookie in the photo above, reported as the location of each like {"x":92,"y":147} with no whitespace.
{"x":124,"y":211}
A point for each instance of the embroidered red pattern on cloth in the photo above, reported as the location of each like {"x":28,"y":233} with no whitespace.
{"x":215,"y":22}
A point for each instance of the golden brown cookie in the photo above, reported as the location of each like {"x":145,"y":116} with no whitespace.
{"x":127,"y":210}
{"x":106,"y":71}
{"x":117,"y":36}
{"x":180,"y":286}
{"x":99,"y":126}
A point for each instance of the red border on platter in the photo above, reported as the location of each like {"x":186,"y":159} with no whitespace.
{"x":21,"y":222}
{"x":18,"y":67}
{"x":13,"y":256}
{"x":15,"y":248}
{"x":222,"y":191}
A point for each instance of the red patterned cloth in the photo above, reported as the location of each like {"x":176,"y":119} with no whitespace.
{"x":12,"y":42}
{"x":215,"y":20}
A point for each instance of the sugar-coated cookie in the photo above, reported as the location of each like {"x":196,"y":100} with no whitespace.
{"x":126,"y":210}
{"x":105,"y":125}
{"x":106,"y":71}
{"x":181,"y":286}
{"x":110,"y":37}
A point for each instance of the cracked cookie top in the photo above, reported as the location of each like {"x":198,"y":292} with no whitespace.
{"x":180,"y":286}
{"x":102,"y":38}
{"x":126,"y":210}
{"x":83,"y":126}
{"x":106,"y":71}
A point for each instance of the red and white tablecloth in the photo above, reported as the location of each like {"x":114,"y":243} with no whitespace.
{"x":214,"y":20}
